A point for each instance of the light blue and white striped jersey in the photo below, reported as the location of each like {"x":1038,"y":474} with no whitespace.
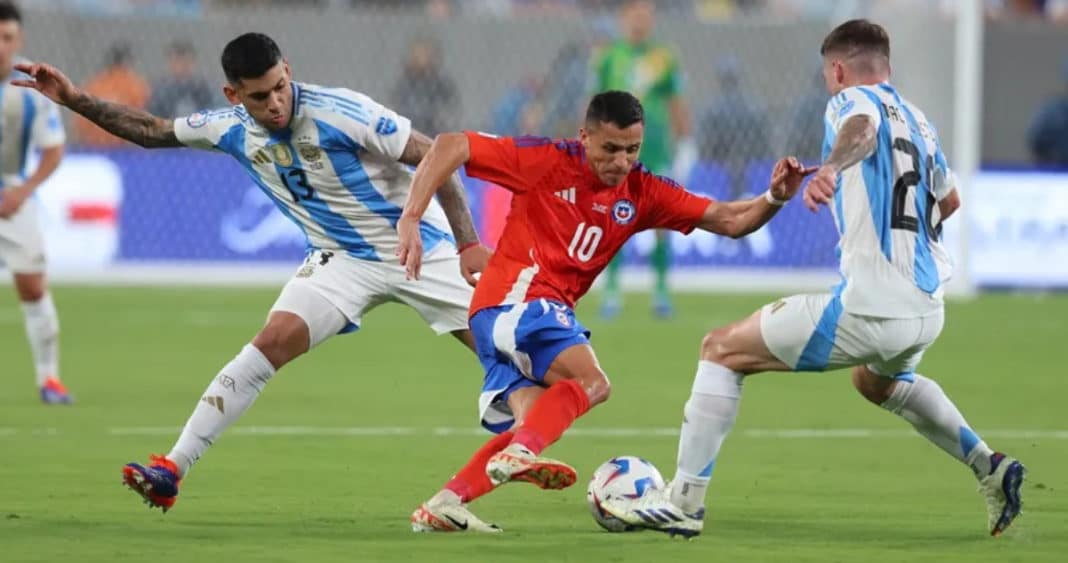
{"x":28,"y":121}
{"x":333,"y":171}
{"x":893,"y":263}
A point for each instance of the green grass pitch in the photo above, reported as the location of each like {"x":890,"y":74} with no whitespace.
{"x":340,"y":486}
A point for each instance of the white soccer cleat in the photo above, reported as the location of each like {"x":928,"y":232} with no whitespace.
{"x":516,"y":463}
{"x":1001,"y":489}
{"x":655,"y":511}
{"x":449,"y":517}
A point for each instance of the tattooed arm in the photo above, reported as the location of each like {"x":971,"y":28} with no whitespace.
{"x":452,"y":195}
{"x":855,"y":141}
{"x":134,"y":125}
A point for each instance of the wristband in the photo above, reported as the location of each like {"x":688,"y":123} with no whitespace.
{"x":461,"y":249}
{"x":773,"y":201}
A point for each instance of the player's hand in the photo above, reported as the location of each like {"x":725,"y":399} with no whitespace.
{"x":473,"y":262}
{"x":11,"y":201}
{"x":820,"y":190}
{"x":47,"y":80}
{"x":786,"y":177}
{"x":410,"y":246}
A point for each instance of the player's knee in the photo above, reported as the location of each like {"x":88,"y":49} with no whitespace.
{"x":598,"y":388}
{"x":31,"y":295}
{"x":285,"y":337}
{"x":873,"y":387}
{"x":714,"y":346}
{"x":30,"y":289}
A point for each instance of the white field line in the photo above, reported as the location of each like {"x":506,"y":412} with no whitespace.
{"x":386,"y":431}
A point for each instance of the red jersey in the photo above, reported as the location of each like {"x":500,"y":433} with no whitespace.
{"x":564,"y":225}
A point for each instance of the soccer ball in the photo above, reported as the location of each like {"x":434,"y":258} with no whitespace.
{"x":620,"y":477}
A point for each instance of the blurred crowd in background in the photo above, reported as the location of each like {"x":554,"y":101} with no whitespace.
{"x":734,"y":126}
{"x":712,"y":9}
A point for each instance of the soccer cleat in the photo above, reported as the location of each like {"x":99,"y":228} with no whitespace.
{"x":449,"y":517}
{"x":516,"y":463}
{"x":655,"y":511}
{"x":157,"y":484}
{"x":54,"y":393}
{"x":1001,"y":488}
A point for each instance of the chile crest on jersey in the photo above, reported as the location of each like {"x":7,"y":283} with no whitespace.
{"x":623,"y":211}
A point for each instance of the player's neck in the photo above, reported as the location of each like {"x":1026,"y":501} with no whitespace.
{"x":869,"y":80}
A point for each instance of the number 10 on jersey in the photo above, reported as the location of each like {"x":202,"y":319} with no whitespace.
{"x":585,"y":242}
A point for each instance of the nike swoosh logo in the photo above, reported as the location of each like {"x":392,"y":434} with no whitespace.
{"x":457,"y":523}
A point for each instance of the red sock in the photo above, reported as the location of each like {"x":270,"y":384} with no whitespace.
{"x":551,"y":415}
{"x":472,"y":482}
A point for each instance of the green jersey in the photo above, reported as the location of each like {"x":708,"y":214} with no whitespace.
{"x":651,"y":72}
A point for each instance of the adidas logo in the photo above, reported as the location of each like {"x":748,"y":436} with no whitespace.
{"x":215,"y":401}
{"x":567,"y":195}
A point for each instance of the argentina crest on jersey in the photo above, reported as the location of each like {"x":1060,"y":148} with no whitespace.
{"x":623,"y":211}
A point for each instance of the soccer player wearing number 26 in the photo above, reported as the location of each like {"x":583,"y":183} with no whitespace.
{"x":575,"y":203}
{"x":886,"y":179}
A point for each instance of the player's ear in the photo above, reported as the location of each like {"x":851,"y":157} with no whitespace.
{"x":231,"y":94}
{"x":285,"y":65}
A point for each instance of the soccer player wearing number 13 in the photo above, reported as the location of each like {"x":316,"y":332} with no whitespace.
{"x":337,"y":164}
{"x":887,"y":181}
{"x":576,"y":202}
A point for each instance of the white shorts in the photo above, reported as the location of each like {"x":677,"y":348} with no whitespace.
{"x":813,"y":333}
{"x":21,"y":245}
{"x":331,"y":291}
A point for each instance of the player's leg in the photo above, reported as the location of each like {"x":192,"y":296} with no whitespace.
{"x":661,"y":263}
{"x":895,"y":386}
{"x":446,"y":511}
{"x":506,"y":398}
{"x":303,"y":316}
{"x":22,"y":250}
{"x":727,"y":355}
{"x":234,"y":389}
{"x":442,"y":297}
{"x":576,"y":384}
{"x":612,"y":300}
{"x":42,"y":331}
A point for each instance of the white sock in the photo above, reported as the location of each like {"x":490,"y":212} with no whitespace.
{"x":230,"y":394}
{"x":42,"y":329}
{"x":709,"y":416}
{"x":922,"y":402}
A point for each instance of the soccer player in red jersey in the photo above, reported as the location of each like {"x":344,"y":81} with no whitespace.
{"x":575,"y":202}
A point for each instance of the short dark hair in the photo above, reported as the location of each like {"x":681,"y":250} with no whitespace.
{"x":249,"y":56}
{"x":10,"y":12}
{"x":856,"y":37}
{"x":619,"y":108}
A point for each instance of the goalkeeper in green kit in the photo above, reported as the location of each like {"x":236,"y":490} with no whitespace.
{"x":650,"y":71}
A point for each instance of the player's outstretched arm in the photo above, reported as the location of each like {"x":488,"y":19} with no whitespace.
{"x":453,"y":199}
{"x":736,"y":219}
{"x":448,"y":152}
{"x":134,"y":125}
{"x":855,"y":142}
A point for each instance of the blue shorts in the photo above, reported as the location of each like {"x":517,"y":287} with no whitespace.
{"x":516,"y":345}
